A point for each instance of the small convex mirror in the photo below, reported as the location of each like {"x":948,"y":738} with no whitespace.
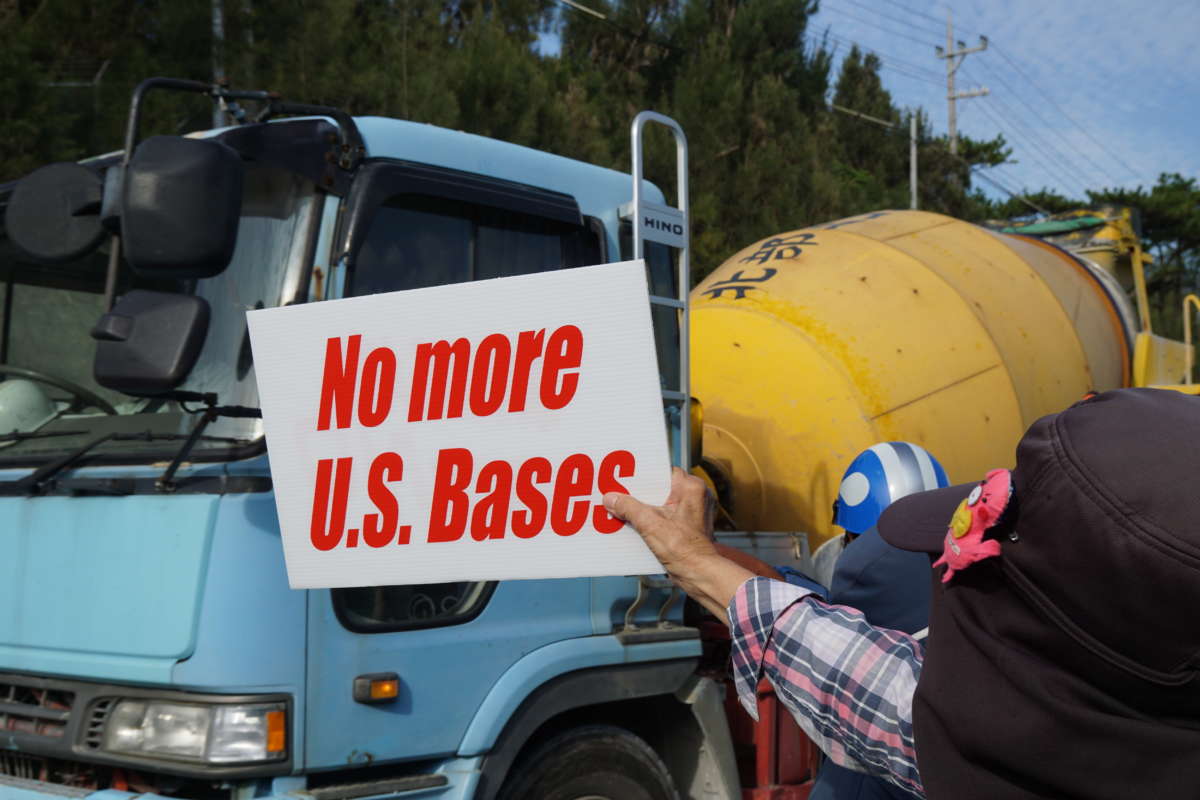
{"x":149,"y":342}
{"x":53,"y":216}
{"x":180,"y":203}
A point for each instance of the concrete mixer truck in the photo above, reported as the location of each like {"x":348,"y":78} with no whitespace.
{"x":812,"y":345}
{"x":149,"y":643}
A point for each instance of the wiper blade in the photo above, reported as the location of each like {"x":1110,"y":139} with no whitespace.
{"x":166,"y":481}
{"x":37,"y":481}
{"x":17,"y":436}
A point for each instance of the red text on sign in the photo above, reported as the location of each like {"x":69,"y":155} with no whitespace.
{"x":340,"y":383}
{"x":332,"y":492}
{"x":448,"y":378}
{"x":483,"y":502}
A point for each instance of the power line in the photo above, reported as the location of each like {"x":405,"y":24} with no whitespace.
{"x":1033,"y":110}
{"x":1011,"y":193}
{"x":863,"y":119}
{"x":1016,"y":67}
{"x":974,"y":170}
{"x":886,"y":56}
{"x":1051,"y":171}
{"x":1042,"y":145}
{"x":1046,"y":170}
{"x":1047,"y":151}
{"x":620,"y":28}
{"x":891,"y":62}
{"x":583,"y":8}
{"x":929,"y":77}
{"x":1035,"y":143}
{"x":878,"y":13}
{"x":1086,"y":132}
{"x":930,"y":17}
{"x":925,"y":42}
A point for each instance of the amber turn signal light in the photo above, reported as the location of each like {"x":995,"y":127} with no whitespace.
{"x":377,"y":687}
{"x":276,"y":732}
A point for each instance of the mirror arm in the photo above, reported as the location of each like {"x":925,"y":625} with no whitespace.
{"x":131,"y":130}
{"x":166,"y":482}
{"x":217,"y":92}
{"x":352,"y":149}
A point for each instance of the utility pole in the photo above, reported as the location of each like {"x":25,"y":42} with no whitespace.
{"x":218,"y":58}
{"x":954,"y":58}
{"x":912,"y":145}
{"x":912,"y":161}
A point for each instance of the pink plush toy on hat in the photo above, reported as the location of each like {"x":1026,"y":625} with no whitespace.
{"x":964,"y":544}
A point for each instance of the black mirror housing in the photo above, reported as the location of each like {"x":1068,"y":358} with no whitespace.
{"x":53,"y":216}
{"x":180,"y":203}
{"x":149,"y":342}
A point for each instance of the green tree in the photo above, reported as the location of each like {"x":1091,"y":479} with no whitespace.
{"x":1170,"y":223}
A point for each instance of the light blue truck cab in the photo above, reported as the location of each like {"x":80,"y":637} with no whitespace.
{"x":149,"y":642}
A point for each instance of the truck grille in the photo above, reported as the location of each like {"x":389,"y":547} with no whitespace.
{"x":18,"y":765}
{"x":35,"y":711}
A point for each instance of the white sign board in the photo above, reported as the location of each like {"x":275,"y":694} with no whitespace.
{"x":464,"y":432}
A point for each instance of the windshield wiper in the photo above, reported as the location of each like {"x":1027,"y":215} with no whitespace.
{"x":18,"y":436}
{"x":166,"y":481}
{"x":40,"y":479}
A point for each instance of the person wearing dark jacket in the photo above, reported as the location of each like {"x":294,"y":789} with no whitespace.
{"x":1063,"y":657}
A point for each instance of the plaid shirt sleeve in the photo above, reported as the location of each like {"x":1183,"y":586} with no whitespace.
{"x":848,"y":684}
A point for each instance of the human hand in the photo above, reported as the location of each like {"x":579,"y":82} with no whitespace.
{"x":679,"y":533}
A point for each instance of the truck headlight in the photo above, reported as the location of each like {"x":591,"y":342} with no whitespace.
{"x":216,"y":734}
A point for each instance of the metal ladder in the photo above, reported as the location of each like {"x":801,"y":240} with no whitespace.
{"x":669,"y":226}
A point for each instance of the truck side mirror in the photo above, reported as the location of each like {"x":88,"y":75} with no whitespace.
{"x":53,"y":216}
{"x":149,"y":342}
{"x":180,"y":203}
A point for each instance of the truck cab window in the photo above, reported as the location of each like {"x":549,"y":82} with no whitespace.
{"x":374,"y":609}
{"x":416,"y":241}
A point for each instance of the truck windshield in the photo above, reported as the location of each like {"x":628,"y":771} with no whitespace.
{"x":49,"y":402}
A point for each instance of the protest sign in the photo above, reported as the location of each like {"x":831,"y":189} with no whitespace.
{"x":463,"y":432}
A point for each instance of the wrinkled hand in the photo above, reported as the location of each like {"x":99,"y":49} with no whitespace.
{"x":679,"y":533}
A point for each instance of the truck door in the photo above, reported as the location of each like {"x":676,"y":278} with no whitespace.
{"x":409,"y":227}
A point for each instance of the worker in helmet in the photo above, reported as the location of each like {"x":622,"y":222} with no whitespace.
{"x":876,"y":477}
{"x":888,"y":585}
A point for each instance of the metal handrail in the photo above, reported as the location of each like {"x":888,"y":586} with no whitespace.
{"x":670,"y":226}
{"x":1187,"y":334}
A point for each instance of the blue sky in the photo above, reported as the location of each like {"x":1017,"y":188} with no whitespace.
{"x":1088,"y":94}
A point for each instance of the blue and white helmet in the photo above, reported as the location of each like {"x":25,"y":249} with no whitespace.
{"x":880,"y":475}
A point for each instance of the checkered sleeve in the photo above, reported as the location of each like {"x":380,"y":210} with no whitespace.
{"x":848,"y":684}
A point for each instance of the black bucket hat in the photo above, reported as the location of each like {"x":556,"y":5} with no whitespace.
{"x":1068,"y":665}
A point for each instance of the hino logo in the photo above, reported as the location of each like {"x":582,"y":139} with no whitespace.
{"x":662,"y":225}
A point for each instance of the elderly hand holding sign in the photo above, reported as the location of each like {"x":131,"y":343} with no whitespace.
{"x":679,"y":533}
{"x":786,"y":634}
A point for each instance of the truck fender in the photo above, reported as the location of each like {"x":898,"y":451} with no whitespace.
{"x":675,"y":680}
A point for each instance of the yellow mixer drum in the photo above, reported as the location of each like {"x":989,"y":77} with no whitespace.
{"x":810,"y":346}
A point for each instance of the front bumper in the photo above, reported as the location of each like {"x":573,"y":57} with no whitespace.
{"x":459,"y":779}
